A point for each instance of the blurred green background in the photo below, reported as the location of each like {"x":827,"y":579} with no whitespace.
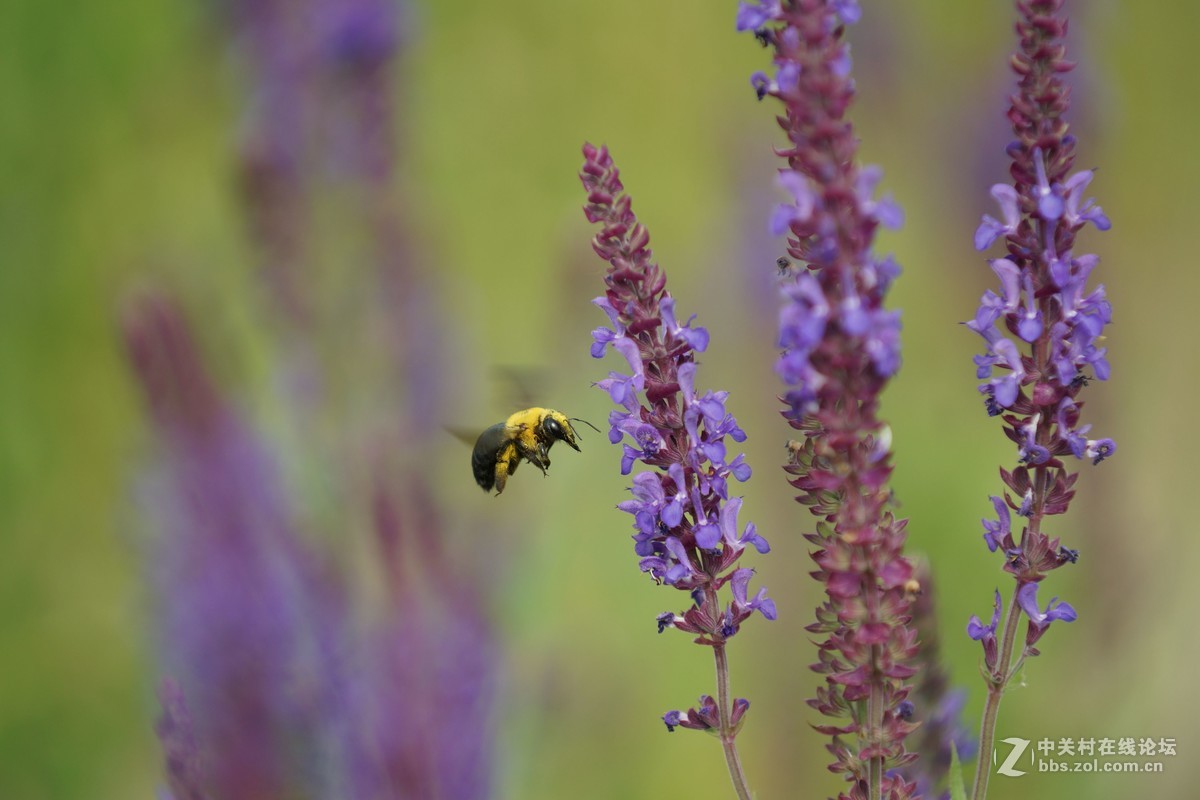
{"x":117,"y":161}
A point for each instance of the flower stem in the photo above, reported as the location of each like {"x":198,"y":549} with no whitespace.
{"x":732,"y":759}
{"x":874,"y":725}
{"x":997,"y":682}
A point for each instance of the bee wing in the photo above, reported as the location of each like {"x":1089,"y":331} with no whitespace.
{"x":521,"y":386}
{"x":465,"y":435}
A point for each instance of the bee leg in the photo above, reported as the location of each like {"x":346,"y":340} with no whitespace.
{"x":537,"y":457}
{"x":506,"y":464}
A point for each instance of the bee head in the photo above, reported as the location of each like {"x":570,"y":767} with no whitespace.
{"x":555,"y":425}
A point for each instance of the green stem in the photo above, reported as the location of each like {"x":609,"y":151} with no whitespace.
{"x":998,"y":681}
{"x":732,"y":759}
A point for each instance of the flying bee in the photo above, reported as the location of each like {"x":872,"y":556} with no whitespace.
{"x":527,"y":435}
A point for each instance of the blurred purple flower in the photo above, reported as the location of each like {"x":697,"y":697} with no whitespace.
{"x":181,"y":752}
{"x":934,"y":704}
{"x":230,"y":575}
{"x":256,"y":632}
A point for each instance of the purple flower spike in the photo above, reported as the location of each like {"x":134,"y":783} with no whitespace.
{"x":1056,"y":322}
{"x":685,"y":523}
{"x":1044,"y":298}
{"x":841,"y":345}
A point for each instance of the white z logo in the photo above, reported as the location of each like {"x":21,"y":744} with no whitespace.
{"x":1018,"y":749}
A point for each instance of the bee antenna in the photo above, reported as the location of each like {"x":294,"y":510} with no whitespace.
{"x":585,"y":422}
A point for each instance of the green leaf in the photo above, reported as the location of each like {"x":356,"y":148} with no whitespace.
{"x":958,"y":790}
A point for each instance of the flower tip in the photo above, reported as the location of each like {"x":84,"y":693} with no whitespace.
{"x":988,"y":231}
{"x":767,"y":608}
{"x":740,"y":706}
{"x":848,"y":11}
{"x":1064,"y":612}
{"x":752,"y":16}
{"x":889,"y":213}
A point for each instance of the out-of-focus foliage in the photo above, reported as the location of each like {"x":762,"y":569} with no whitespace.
{"x":117,"y":159}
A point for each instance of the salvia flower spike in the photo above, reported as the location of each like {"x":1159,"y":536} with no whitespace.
{"x":686,"y":528}
{"x":840,"y":347}
{"x":1043,"y":333}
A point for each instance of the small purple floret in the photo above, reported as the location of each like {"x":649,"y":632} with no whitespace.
{"x":978,"y":631}
{"x":995,"y":533}
{"x":1055,"y":610}
{"x":752,"y":16}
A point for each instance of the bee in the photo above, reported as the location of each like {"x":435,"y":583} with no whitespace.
{"x":527,"y":435}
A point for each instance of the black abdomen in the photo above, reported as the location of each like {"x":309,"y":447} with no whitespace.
{"x":483,"y":458}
